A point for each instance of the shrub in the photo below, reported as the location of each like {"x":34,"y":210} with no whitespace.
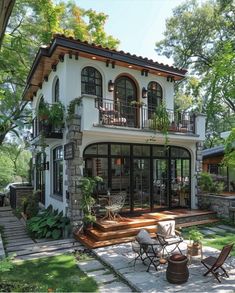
{"x":30,"y":204}
{"x":16,"y":286}
{"x":211,"y":183}
{"x":48,"y":224}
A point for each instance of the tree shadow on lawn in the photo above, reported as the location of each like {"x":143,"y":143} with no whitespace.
{"x":58,"y":273}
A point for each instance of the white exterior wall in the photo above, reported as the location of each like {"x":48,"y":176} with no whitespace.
{"x":69,"y":74}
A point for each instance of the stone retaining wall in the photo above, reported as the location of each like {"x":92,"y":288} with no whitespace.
{"x":218,"y":203}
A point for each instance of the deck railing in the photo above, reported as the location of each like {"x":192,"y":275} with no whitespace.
{"x":117,"y":113}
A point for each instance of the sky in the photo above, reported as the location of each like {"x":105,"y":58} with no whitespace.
{"x":138,"y":24}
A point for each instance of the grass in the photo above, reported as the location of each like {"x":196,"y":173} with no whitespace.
{"x":57,"y":274}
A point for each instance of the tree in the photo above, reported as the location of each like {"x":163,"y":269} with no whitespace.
{"x":201,"y":37}
{"x":16,"y":161}
{"x":32,"y":24}
{"x":229,"y":152}
{"x":6,"y":7}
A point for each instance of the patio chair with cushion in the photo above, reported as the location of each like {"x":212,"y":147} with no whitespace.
{"x":168,"y":237}
{"x":149,"y":249}
{"x":214,"y":264}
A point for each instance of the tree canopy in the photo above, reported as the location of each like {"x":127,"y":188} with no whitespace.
{"x":32,"y":24}
{"x":201,"y":38}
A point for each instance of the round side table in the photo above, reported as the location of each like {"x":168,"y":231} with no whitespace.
{"x":177,"y":269}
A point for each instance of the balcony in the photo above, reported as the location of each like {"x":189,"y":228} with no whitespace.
{"x":138,"y":116}
{"x":43,"y":127}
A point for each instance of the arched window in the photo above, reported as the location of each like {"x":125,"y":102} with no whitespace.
{"x":154,"y":97}
{"x":91,"y":81}
{"x":58,"y":170}
{"x":57,"y":90}
{"x":125,"y":94}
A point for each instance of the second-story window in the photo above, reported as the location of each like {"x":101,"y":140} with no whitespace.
{"x":58,"y":171}
{"x":91,"y":81}
{"x":57,"y":90}
{"x":154,"y":97}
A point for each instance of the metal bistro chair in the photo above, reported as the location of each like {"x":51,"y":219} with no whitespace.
{"x":147,"y":249}
{"x":168,"y":237}
{"x":114,"y":206}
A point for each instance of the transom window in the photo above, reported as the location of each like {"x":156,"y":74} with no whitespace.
{"x":58,"y":170}
{"x":154,"y":97}
{"x":91,"y":81}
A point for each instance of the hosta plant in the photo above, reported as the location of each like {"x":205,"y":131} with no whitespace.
{"x":48,"y":224}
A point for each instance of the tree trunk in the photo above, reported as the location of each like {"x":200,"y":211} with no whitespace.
{"x":6,"y":7}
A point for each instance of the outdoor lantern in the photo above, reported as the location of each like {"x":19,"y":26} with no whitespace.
{"x":111,"y":86}
{"x":144,"y":93}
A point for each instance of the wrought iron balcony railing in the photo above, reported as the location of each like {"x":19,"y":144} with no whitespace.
{"x":43,"y":127}
{"x":117,"y":113}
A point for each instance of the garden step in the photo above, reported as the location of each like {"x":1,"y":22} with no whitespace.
{"x":202,"y":222}
{"x":101,"y":236}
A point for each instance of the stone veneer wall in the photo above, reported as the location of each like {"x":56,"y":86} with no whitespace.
{"x":74,"y":171}
{"x":218,"y":203}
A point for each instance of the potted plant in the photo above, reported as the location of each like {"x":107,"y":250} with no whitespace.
{"x":56,"y":115}
{"x":44,"y":111}
{"x":196,"y":236}
{"x":87,"y":202}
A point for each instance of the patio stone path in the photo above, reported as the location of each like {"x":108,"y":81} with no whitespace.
{"x":104,"y":277}
{"x":119,"y":258}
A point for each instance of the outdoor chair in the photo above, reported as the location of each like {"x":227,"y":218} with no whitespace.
{"x":168,"y":237}
{"x":214,"y":264}
{"x":147,"y":248}
{"x":114,"y":206}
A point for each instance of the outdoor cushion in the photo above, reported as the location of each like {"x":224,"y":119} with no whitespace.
{"x":172,"y":240}
{"x":144,"y":237}
{"x":166,"y":228}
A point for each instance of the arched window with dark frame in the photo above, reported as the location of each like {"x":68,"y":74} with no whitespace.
{"x":154,"y":97}
{"x":125,"y":94}
{"x":91,"y":81}
{"x":57,"y":90}
{"x":58,"y":171}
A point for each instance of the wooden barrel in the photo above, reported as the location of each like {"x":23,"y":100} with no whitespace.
{"x":177,"y":270}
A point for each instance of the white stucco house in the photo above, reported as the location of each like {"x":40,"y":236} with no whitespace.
{"x":113,"y":131}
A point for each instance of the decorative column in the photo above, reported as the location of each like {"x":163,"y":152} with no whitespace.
{"x":74,"y":170}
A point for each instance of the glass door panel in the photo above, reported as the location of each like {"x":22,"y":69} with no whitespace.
{"x":180,"y":174}
{"x":160,"y":181}
{"x":141,"y":184}
{"x":120,"y":178}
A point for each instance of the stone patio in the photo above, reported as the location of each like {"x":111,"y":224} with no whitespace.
{"x":120,"y":259}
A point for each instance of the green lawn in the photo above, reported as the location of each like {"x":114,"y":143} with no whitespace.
{"x":58,"y":273}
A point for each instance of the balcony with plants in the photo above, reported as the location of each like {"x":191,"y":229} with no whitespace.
{"x":138,"y":115}
{"x":49,"y":121}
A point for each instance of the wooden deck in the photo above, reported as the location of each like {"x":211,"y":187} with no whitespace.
{"x":107,"y":232}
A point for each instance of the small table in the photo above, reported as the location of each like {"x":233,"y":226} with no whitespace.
{"x":193,"y":250}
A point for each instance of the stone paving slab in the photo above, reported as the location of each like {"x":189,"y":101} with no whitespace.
{"x":207,"y":232}
{"x":101,"y":279}
{"x":217,"y":230}
{"x":226,"y":227}
{"x":114,"y":287}
{"x":90,"y":265}
{"x":97,"y":273}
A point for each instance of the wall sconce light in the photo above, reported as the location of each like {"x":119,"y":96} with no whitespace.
{"x":111,"y":86}
{"x":144,"y":93}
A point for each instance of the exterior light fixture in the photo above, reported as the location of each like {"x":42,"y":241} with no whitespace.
{"x":93,"y":57}
{"x":111,"y":86}
{"x":130,"y":66}
{"x":144,"y":93}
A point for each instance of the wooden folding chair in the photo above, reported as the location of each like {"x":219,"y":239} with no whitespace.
{"x":213,"y":264}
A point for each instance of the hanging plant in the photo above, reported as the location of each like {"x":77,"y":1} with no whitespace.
{"x":160,"y":121}
{"x":71,"y":107}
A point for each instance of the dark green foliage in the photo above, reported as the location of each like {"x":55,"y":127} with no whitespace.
{"x":19,"y":286}
{"x":6,"y":265}
{"x":49,"y":224}
{"x":30,"y":204}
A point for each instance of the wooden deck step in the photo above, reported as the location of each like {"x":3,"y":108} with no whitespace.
{"x":91,"y":241}
{"x":202,"y":222}
{"x":127,"y":223}
{"x":102,"y":236}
